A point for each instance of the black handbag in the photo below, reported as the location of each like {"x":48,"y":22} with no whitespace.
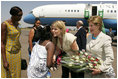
{"x":23,"y":64}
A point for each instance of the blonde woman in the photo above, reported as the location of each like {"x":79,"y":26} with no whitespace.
{"x":99,"y":44}
{"x":65,"y":42}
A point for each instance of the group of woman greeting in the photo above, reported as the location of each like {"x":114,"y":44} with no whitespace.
{"x":45,"y":42}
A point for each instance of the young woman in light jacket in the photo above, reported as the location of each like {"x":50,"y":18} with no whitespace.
{"x":65,"y":42}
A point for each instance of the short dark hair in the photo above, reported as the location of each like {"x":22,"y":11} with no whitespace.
{"x":15,"y":10}
{"x":44,"y":33}
{"x":36,"y":19}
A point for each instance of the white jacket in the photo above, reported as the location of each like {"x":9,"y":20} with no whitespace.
{"x":101,"y":47}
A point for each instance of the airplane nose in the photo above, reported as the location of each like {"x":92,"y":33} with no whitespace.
{"x":30,"y":18}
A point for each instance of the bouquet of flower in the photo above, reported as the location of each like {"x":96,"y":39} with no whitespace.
{"x":81,"y":62}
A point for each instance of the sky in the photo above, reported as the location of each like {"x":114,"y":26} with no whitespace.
{"x":27,"y":6}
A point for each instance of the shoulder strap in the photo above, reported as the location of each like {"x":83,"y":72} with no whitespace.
{"x":47,"y":44}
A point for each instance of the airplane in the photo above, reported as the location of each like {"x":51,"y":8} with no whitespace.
{"x":71,"y":13}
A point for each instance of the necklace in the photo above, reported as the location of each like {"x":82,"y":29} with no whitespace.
{"x":94,"y":37}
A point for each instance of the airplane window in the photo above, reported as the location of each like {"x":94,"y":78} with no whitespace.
{"x":68,"y":10}
{"x":111,"y":11}
{"x":74,"y":10}
{"x":114,"y":11}
{"x":71,"y":10}
{"x":31,"y":12}
{"x":77,"y":10}
{"x":65,"y":10}
{"x":107,"y":11}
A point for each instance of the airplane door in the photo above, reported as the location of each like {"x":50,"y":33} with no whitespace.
{"x":94,"y":10}
{"x":87,"y":11}
{"x":100,"y":13}
{"x":86,"y":14}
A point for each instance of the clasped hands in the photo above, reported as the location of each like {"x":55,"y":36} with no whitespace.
{"x":96,"y":71}
{"x":54,"y":66}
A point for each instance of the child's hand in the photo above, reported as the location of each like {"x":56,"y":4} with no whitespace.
{"x":54,"y":59}
{"x":53,"y":68}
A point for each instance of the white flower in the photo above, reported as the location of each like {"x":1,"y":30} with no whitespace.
{"x":77,"y":60}
{"x":86,"y":54}
{"x":83,"y":59}
{"x":92,"y":58}
{"x":73,"y":56}
{"x":100,"y":60}
{"x":81,"y":52}
{"x":87,"y":66}
{"x":71,"y":59}
{"x":90,"y":65}
{"x":95,"y":62}
{"x":81,"y":62}
{"x":77,"y":57}
{"x":96,"y":67}
{"x":70,"y":64}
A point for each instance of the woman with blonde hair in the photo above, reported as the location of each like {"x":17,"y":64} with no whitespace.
{"x":99,"y":44}
{"x":65,"y":42}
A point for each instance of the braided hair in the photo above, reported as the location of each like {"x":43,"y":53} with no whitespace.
{"x":44,"y":33}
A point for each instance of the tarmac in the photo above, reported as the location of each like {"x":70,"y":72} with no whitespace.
{"x":57,"y":73}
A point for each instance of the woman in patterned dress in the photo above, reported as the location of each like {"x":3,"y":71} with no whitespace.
{"x":10,"y":45}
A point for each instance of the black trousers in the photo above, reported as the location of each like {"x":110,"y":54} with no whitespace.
{"x":65,"y":73}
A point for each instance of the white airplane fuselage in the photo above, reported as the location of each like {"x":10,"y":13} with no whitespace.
{"x":71,"y":13}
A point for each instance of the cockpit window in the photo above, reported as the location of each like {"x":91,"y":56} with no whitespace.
{"x":31,"y":12}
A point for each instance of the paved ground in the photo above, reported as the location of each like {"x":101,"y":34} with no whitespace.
{"x":57,"y":73}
